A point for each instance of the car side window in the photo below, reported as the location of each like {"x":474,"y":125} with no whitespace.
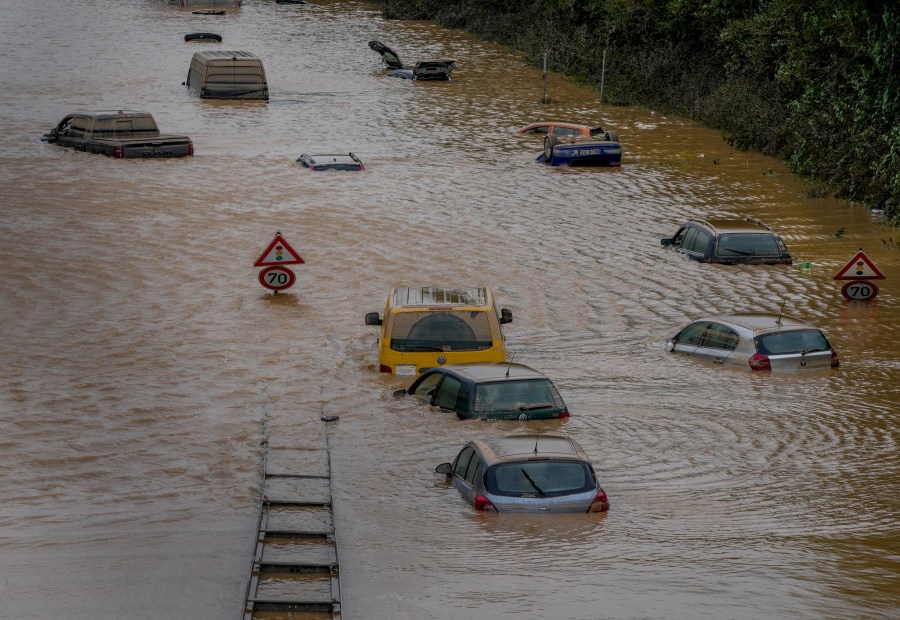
{"x":447,"y":393}
{"x":692,"y":334}
{"x":472,"y":469}
{"x":79,"y":126}
{"x":719,"y":337}
{"x":425,"y":389}
{"x":688,"y":239}
{"x":461,"y":464}
{"x":700,"y":242}
{"x":65,"y":127}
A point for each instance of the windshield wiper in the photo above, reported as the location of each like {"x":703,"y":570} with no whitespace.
{"x":535,"y":406}
{"x":419,"y":347}
{"x":742,"y":252}
{"x":805,"y":351}
{"x":533,"y":483}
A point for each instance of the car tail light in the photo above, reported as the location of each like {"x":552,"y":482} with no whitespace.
{"x":760,"y":362}
{"x":190,"y":149}
{"x":361,"y":167}
{"x":312,"y":167}
{"x":383,"y":368}
{"x":835,"y":360}
{"x":564,"y":413}
{"x":483,"y":503}
{"x":119,"y":152}
{"x":600,"y":503}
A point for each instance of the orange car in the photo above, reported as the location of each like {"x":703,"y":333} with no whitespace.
{"x":560,"y":129}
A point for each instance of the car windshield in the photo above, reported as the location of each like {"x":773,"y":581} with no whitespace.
{"x":545,"y":478}
{"x":441,"y":331}
{"x":796,"y":341}
{"x":516,"y":395}
{"x":749,"y":244}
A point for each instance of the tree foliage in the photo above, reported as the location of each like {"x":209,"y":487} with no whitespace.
{"x":813,"y":82}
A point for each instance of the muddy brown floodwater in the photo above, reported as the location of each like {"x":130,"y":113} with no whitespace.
{"x":143,"y":365}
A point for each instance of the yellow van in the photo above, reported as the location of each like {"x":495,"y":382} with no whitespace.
{"x":424,"y":327}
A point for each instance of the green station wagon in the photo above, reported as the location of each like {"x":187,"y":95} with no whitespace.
{"x":492,"y":391}
{"x":729,"y":242}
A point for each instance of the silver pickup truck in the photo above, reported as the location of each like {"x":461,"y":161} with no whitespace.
{"x":118,"y":134}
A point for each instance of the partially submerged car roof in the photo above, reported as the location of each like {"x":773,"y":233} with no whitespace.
{"x":736,"y":225}
{"x":429,"y":296}
{"x":514,"y":447}
{"x":756,"y":321}
{"x":333,"y":161}
{"x":494,"y":371}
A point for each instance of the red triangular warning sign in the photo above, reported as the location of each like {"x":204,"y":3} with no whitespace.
{"x":278,"y":253}
{"x":860,"y":267}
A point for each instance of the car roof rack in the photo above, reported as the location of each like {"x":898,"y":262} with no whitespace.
{"x":756,"y":221}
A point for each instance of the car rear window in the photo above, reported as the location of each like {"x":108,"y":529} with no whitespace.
{"x":547,"y":478}
{"x":749,"y":244}
{"x":441,"y":331}
{"x":527,"y":395}
{"x":124,"y":127}
{"x":796,"y":341}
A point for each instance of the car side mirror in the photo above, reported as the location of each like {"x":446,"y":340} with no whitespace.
{"x":372,"y":318}
{"x":505,"y":316}
{"x":399,"y":393}
{"x":444,"y":468}
{"x":669,"y":345}
{"x":667,"y":241}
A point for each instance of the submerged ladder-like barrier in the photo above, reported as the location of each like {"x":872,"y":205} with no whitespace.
{"x":295,"y":572}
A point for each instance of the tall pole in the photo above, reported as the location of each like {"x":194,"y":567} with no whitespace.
{"x":544,"y":82}
{"x":602,"y":75}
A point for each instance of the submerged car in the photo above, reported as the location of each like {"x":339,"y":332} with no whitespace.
{"x":331,"y":162}
{"x":435,"y":69}
{"x":729,"y":241}
{"x":760,"y":341}
{"x":526,"y":473}
{"x":490,"y":391}
{"x":119,"y":134}
{"x":555,"y":128}
{"x":424,"y":327}
{"x":578,"y":150}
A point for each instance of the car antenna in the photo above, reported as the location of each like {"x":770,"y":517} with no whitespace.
{"x":509,"y":365}
{"x":536,"y":438}
{"x":780,"y":312}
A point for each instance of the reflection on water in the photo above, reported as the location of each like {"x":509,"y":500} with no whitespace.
{"x":143,"y":365}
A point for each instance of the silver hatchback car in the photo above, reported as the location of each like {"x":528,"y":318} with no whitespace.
{"x":526,"y":473}
{"x":759,"y":340}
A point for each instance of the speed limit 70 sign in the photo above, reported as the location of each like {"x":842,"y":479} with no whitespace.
{"x":277,"y":278}
{"x":859,"y":290}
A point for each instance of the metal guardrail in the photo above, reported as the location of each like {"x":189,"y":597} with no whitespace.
{"x":300,"y":581}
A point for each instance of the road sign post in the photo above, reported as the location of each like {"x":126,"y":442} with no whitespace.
{"x":860,"y":270}
{"x":278,"y":253}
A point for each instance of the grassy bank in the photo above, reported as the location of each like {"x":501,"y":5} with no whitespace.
{"x":813,"y":82}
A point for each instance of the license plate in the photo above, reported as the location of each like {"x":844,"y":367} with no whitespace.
{"x":407,"y":370}
{"x":589,"y":151}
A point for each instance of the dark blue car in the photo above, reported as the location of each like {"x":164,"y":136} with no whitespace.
{"x":602,"y":150}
